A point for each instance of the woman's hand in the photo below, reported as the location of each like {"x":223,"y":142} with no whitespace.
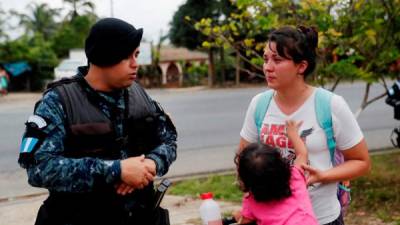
{"x":237,"y":215}
{"x":356,"y":163}
{"x":313,"y":175}
{"x":241,"y":219}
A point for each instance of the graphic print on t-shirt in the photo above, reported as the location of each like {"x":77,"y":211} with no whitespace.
{"x":305,"y":133}
{"x":275,"y":136}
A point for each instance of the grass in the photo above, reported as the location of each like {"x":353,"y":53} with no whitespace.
{"x":379,"y":192}
{"x":376,"y":194}
{"x":222,"y":186}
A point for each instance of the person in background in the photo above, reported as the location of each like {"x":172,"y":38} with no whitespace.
{"x":4,"y":80}
{"x":393,"y":94}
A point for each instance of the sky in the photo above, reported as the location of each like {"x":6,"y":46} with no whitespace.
{"x":151,"y":15}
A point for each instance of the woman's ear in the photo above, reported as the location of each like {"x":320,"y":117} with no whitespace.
{"x":302,"y":66}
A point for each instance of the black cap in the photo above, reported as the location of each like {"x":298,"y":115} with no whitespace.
{"x":111,"y":40}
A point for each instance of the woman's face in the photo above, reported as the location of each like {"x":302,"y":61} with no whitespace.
{"x":279,"y":72}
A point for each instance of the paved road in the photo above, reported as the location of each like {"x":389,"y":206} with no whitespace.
{"x":213,"y":118}
{"x":208,"y":123}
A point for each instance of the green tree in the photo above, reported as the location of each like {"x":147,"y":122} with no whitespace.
{"x":37,"y":52}
{"x":359,"y":39}
{"x":183,"y":33}
{"x":246,"y":29}
{"x":372,"y":29}
{"x":72,"y":34}
{"x":45,"y":41}
{"x":76,"y":25}
{"x":85,"y":7}
{"x":40,"y":19}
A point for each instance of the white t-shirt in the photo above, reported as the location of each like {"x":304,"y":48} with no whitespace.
{"x":273,"y":132}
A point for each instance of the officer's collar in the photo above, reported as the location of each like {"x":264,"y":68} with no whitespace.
{"x":82,"y":72}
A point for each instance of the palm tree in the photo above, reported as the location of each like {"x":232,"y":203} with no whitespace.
{"x":86,"y":5}
{"x":40,"y":19}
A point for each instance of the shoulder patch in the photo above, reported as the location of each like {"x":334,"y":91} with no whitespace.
{"x":28,"y":144}
{"x":39,"y":121}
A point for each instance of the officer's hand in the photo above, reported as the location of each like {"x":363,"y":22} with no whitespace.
{"x":151,"y":166}
{"x":135,"y":173}
{"x":124,"y":189}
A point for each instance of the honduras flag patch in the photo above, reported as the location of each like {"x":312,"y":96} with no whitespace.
{"x":28,"y":144}
{"x":34,"y":133}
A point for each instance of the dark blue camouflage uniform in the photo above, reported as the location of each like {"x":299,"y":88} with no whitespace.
{"x":55,"y":172}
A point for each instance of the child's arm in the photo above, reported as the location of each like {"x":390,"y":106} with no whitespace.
{"x":298,"y":144}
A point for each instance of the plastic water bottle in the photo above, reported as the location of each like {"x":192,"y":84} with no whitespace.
{"x":210,"y":212}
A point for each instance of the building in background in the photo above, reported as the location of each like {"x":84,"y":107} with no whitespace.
{"x":68,"y":67}
{"x":77,"y":57}
{"x":171,"y":61}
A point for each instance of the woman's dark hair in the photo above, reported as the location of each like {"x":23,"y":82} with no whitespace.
{"x":297,"y":44}
{"x":263,"y":172}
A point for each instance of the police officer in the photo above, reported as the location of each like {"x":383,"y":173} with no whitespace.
{"x":96,"y":141}
{"x":393,"y":94}
{"x":393,"y":98}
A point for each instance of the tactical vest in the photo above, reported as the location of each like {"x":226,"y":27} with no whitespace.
{"x":90,"y":133}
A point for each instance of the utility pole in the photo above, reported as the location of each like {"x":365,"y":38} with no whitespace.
{"x":112,"y":8}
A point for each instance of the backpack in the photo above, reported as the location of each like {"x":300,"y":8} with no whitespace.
{"x":324,"y":118}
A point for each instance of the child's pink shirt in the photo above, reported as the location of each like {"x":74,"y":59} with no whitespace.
{"x":294,"y":210}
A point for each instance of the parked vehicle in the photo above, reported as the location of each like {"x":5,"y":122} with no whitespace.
{"x":67,"y":68}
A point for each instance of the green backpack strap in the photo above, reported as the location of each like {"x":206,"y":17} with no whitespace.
{"x":323,"y":113}
{"x":324,"y":117}
{"x":261,"y":108}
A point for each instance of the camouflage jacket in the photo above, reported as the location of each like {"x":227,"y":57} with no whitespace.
{"x":55,"y":172}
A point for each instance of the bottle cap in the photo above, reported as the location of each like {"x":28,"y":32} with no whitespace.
{"x":208,"y":195}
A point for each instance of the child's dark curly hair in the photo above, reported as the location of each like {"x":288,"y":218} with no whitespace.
{"x":263,"y":172}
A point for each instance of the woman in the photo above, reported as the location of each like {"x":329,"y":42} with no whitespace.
{"x":289,"y":57}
